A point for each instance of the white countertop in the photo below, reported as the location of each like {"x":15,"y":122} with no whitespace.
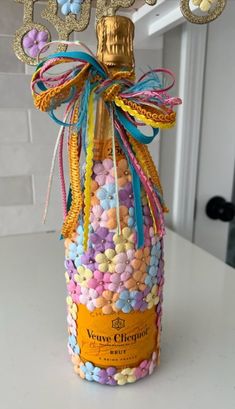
{"x":198,"y":343}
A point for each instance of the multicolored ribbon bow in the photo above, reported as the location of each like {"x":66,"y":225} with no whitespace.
{"x":130,"y":104}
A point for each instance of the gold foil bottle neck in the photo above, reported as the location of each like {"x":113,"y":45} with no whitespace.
{"x":115,"y":36}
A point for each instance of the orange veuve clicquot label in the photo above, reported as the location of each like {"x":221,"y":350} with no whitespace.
{"x":117,"y":339}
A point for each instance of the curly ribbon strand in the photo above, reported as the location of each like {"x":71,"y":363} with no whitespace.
{"x":132,"y":105}
{"x":58,"y":144}
{"x":147,"y":164}
{"x":155,"y":204}
{"x":145,"y":159}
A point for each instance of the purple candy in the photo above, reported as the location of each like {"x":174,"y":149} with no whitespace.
{"x":126,"y":195}
{"x":102,"y":239}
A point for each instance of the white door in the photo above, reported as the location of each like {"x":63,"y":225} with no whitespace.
{"x":217,"y":146}
{"x":197,"y":164}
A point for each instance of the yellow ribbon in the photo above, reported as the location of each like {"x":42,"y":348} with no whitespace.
{"x":89,"y":164}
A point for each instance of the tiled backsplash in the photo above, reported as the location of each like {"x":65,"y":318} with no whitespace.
{"x":27,"y":137}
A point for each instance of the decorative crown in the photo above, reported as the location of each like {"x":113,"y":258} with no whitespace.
{"x":68,"y":16}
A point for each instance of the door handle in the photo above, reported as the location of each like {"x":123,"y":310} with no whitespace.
{"x":218,"y":209}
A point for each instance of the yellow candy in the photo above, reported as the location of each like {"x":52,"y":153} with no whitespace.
{"x":73,"y":311}
{"x":110,"y":253}
{"x":76,"y":277}
{"x":106,"y":261}
{"x":100,"y":258}
{"x":205,"y":5}
{"x":69,"y":300}
{"x":84,"y":275}
{"x":124,"y":241}
{"x":66,"y":277}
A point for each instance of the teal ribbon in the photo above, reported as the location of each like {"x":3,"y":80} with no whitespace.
{"x":129,"y":126}
{"x":133,"y":130}
{"x":137,"y":196}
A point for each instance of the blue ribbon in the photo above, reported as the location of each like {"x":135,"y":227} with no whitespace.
{"x":123,"y":120}
{"x":133,"y":130}
{"x":137,"y":196}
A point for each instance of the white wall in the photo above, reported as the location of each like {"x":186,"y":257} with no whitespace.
{"x":26,"y":140}
{"x":27,"y":136}
{"x":171,"y":60}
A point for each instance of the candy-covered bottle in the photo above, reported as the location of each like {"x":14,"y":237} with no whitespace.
{"x":115,"y":285}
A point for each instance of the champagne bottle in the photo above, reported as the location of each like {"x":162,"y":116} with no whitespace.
{"x":115,"y":286}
